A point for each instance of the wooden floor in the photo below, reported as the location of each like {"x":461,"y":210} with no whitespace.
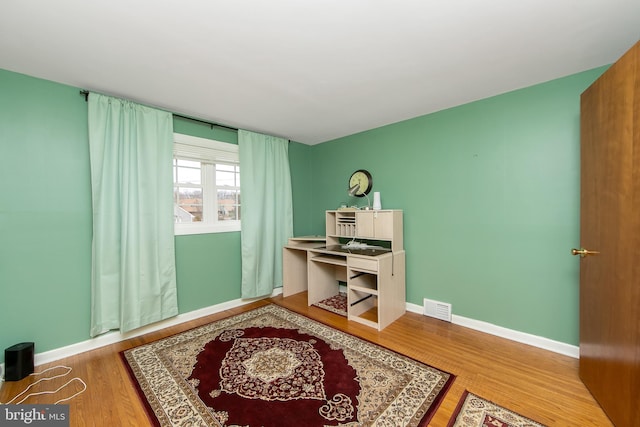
{"x":536,"y":383}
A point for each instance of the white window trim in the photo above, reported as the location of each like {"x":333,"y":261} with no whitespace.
{"x":183,"y":229}
{"x":195,"y":148}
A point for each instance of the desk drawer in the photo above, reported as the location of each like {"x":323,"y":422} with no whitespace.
{"x":364,"y":264}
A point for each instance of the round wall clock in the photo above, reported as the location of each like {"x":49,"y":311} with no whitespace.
{"x":362,"y":179}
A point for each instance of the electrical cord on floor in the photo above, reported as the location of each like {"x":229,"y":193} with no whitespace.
{"x":49,"y":392}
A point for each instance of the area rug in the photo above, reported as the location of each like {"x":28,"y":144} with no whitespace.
{"x":474,"y":411}
{"x":273,"y":367}
{"x":335,"y":304}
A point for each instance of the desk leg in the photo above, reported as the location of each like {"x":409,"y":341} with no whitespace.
{"x":294,"y":271}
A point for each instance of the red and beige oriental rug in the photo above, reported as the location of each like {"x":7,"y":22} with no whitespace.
{"x":273,"y":367}
{"x":474,"y":411}
{"x":335,"y":304}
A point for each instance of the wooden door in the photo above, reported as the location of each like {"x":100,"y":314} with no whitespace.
{"x":610,"y":224}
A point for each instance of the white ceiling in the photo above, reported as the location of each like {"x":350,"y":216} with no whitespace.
{"x":311,"y":70}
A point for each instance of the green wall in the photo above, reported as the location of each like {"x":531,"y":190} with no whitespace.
{"x":45,"y":214}
{"x":301,"y":185}
{"x":45,"y":220}
{"x":490,"y":193}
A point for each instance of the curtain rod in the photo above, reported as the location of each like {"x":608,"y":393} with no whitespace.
{"x":206,"y":123}
{"x":85,"y":93}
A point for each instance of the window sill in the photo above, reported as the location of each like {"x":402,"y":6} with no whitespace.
{"x":183,"y":229}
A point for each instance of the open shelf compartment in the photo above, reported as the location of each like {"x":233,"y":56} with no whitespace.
{"x":362,"y":307}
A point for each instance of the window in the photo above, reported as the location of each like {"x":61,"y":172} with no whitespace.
{"x":206,"y":185}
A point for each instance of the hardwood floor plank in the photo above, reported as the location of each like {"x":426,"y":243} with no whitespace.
{"x":538,"y":384}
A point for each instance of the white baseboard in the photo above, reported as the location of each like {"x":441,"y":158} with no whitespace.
{"x":115,"y":336}
{"x":522,"y":337}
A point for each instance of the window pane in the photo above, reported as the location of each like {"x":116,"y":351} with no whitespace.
{"x":180,"y":214}
{"x":190,"y":195}
{"x":223,"y":167}
{"x":189,"y":201}
{"x":189,"y":175}
{"x":225,"y":178}
{"x":227,"y":205}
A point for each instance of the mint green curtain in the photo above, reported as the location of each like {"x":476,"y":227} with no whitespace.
{"x":133,"y":279}
{"x":267,"y":210}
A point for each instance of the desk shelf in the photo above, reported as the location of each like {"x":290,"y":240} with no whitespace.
{"x":330,"y":259}
{"x":362,"y":293}
{"x":368,"y":317}
{"x":363,"y":290}
{"x":363,"y":282}
{"x":375,"y":280}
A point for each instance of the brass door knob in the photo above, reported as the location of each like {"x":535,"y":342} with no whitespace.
{"x":583,"y":252}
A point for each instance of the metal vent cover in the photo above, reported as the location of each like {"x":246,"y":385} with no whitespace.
{"x":437,"y":309}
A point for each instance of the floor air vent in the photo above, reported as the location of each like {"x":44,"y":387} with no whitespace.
{"x":437,"y":309}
